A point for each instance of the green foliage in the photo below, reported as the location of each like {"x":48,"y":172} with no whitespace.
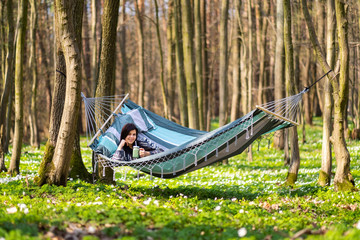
{"x":217,"y":202}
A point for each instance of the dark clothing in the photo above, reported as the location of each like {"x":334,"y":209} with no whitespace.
{"x":125,"y":154}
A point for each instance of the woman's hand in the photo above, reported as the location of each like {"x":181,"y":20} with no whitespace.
{"x":143,"y":153}
{"x":122,"y":144}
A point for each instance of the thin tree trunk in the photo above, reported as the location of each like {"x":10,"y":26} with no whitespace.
{"x":95,"y":9}
{"x":139,"y":8}
{"x":180,"y":76}
{"x":171,"y":59}
{"x":162,"y":81}
{"x":34,"y":137}
{"x":14,"y":167}
{"x":320,"y":24}
{"x":291,"y":90}
{"x":86,"y":60}
{"x":188,"y":48}
{"x":343,"y":180}
{"x":236,"y":45}
{"x":326,"y":158}
{"x":123,"y":44}
{"x":205,"y":66}
{"x":198,"y":62}
{"x":223,"y":48}
{"x":8,"y":79}
{"x":279,"y":66}
{"x":250,"y":72}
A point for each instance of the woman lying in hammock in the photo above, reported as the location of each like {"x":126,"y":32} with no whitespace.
{"x":130,"y":147}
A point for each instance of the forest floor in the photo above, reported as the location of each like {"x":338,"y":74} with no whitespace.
{"x":241,"y":200}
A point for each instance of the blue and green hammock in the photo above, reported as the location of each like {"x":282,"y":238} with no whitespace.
{"x":185,"y":149}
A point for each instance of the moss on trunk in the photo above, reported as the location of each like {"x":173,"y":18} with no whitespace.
{"x":46,"y":165}
{"x":347,"y":185}
{"x":78,"y":169}
{"x":324,"y":179}
{"x":291,"y":179}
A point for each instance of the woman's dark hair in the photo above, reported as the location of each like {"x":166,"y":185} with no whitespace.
{"x":126,"y":130}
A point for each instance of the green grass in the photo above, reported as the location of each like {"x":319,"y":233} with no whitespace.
{"x":216,"y":202}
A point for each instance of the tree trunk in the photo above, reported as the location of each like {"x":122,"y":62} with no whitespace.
{"x":188,"y":48}
{"x":77,"y":167}
{"x":95,"y":9}
{"x":86,"y":60}
{"x":14,"y":167}
{"x":171,"y":59}
{"x":34,"y":137}
{"x":198,"y":63}
{"x":9,"y":78}
{"x":326,"y":158}
{"x":139,"y":8}
{"x":123,"y":44}
{"x":162,"y":81}
{"x":180,"y":76}
{"x":236,"y":45}
{"x":205,"y":66}
{"x":343,"y":180}
{"x":279,"y":66}
{"x":250,"y":73}
{"x":107,"y":65}
{"x":223,"y":48}
{"x":291,"y":90}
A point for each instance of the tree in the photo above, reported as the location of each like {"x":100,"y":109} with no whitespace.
{"x":236,"y":45}
{"x":223,"y":48}
{"x":34,"y":137}
{"x":180,"y":75}
{"x":198,"y":62}
{"x":279,"y":66}
{"x":291,"y":89}
{"x":68,"y":24}
{"x":123,"y":43}
{"x":189,"y":65}
{"x":107,"y":64}
{"x":139,"y":9}
{"x":8,"y":83}
{"x":326,"y":158}
{"x":14,"y":167}
{"x":95,"y":9}
{"x":343,"y":180}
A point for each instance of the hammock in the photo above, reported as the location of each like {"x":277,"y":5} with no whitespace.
{"x":185,"y":149}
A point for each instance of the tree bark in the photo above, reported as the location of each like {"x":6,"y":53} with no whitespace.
{"x":236,"y":45}
{"x":14,"y":167}
{"x":86,"y":60}
{"x":279,"y":66}
{"x":291,"y":90}
{"x":33,"y":122}
{"x":9,"y":78}
{"x":326,"y":158}
{"x":198,"y":62}
{"x":123,"y":45}
{"x":223,"y":62}
{"x":171,"y":59}
{"x":180,"y":75}
{"x":95,"y":19}
{"x":162,"y":81}
{"x":250,"y":66}
{"x":139,"y":8}
{"x":343,"y":180}
{"x":188,"y":48}
{"x":107,"y":65}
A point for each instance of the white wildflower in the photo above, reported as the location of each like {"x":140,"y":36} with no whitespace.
{"x":147,"y":202}
{"x":242,"y":232}
{"x":241,"y":211}
{"x":358,"y":225}
{"x":78,"y":204}
{"x":91,"y":229}
{"x":217,"y":208}
{"x":11,"y":210}
{"x":234,"y":199}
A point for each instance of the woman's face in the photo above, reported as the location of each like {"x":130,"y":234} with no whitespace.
{"x":131,"y":137}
